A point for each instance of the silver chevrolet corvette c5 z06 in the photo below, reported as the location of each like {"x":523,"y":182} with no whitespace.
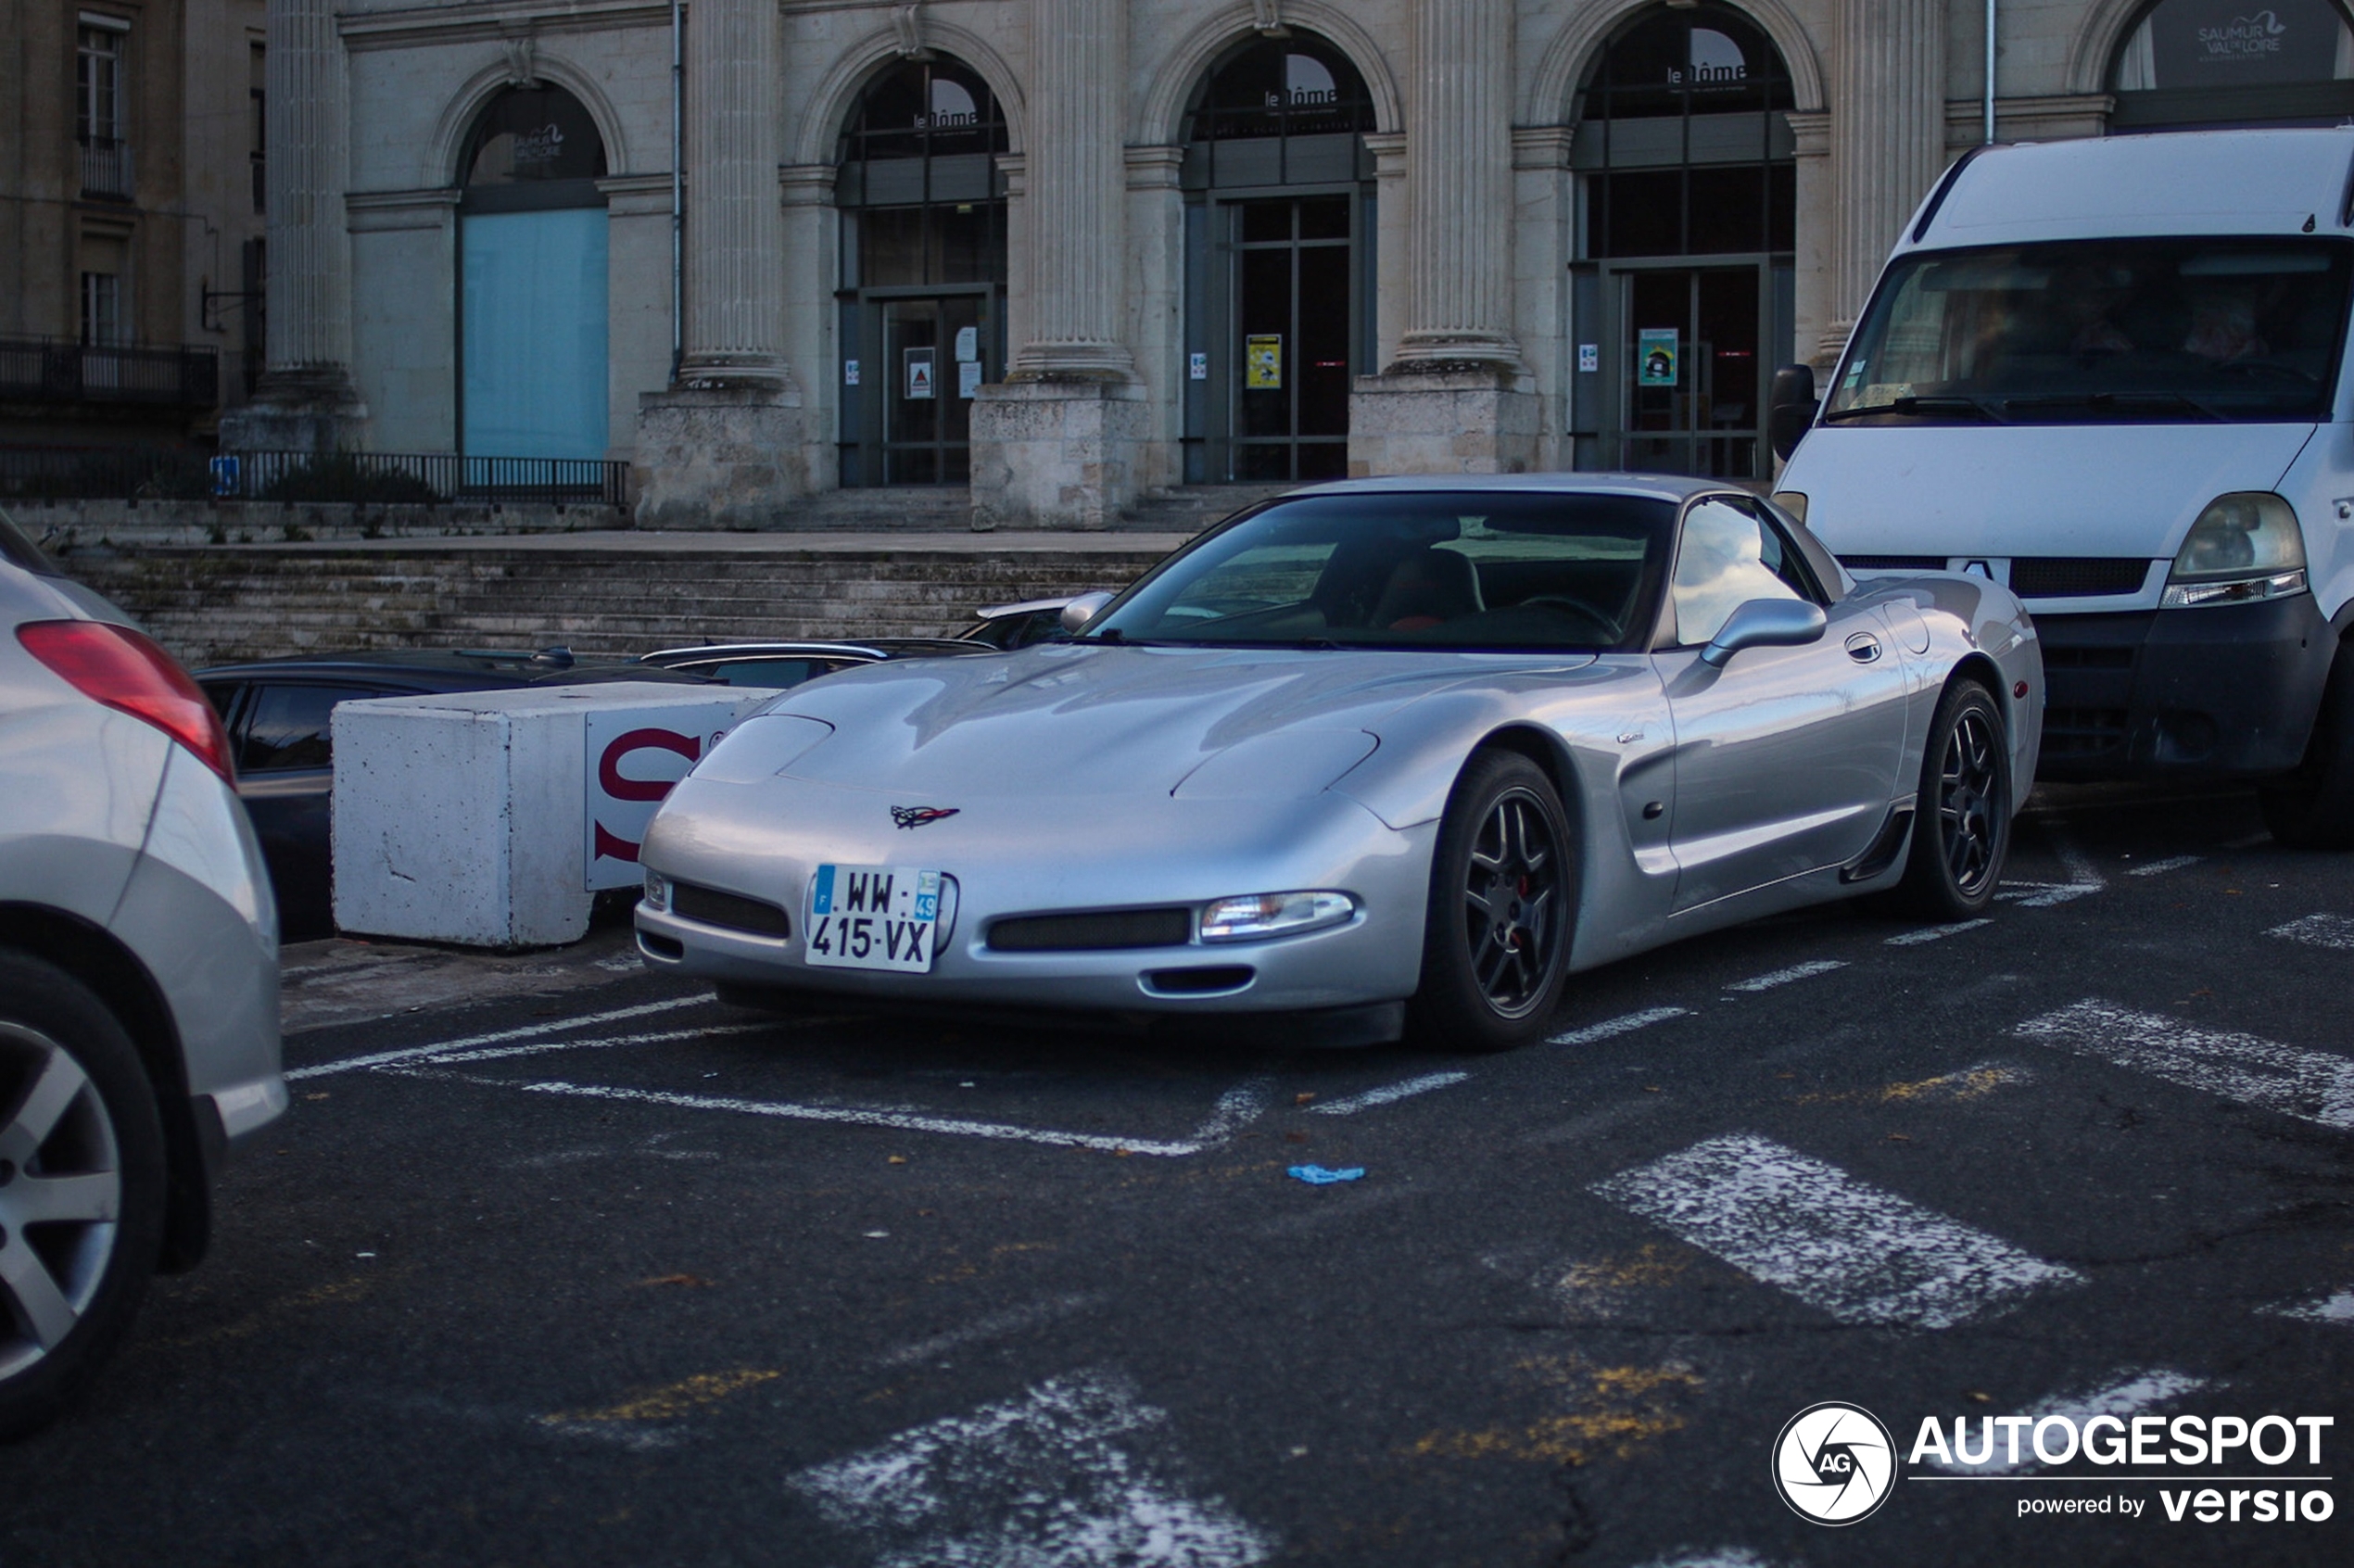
{"x":1378,"y":757}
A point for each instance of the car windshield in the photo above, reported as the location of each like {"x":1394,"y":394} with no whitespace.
{"x":2101,"y":331}
{"x":1474,"y":570}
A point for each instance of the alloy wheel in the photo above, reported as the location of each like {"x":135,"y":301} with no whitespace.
{"x":1512,"y":902}
{"x":61,"y":1194}
{"x":1967,"y":806}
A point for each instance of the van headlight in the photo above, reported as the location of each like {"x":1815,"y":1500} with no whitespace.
{"x":1255,"y":916}
{"x":657,"y":895}
{"x":2244,"y":547}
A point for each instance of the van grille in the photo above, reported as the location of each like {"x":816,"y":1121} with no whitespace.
{"x":2071,"y":576}
{"x":1893,"y":562}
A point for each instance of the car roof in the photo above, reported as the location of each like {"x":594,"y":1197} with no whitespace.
{"x":436,"y":668}
{"x":871,"y":648}
{"x":1657,"y":486}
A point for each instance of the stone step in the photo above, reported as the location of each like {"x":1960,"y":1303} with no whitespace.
{"x":1188,"y":509}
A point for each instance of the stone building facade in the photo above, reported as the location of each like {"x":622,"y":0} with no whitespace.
{"x":1065,"y":252}
{"x":131,"y":217}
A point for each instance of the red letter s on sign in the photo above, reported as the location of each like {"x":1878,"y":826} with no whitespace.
{"x":609,"y":777}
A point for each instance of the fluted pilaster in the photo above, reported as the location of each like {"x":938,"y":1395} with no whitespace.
{"x":1887,"y":136}
{"x":1077,"y":184}
{"x":1459,"y":184}
{"x":308,"y":151}
{"x":735,"y":265}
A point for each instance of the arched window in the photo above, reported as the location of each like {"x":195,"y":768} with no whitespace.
{"x":1683,"y":138}
{"x":923,"y":271}
{"x":2226,"y":62}
{"x":1297,"y":106}
{"x":531,"y":315}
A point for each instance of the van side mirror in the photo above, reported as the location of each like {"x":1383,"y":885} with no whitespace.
{"x":1765,"y":623}
{"x":1083,"y":609}
{"x":1790,"y":408}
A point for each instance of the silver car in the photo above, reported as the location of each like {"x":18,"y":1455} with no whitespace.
{"x":138,"y":978}
{"x":1380,"y":757}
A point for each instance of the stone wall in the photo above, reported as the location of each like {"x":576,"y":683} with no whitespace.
{"x":214,"y":605}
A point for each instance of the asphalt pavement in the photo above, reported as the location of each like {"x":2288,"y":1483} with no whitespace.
{"x":600,"y":1271}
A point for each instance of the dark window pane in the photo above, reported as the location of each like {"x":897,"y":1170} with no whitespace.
{"x":288,"y":725}
{"x":1299,"y":86}
{"x":1324,"y":218}
{"x":1266,"y":221}
{"x":1643,"y":213}
{"x":1727,"y":209}
{"x":890,"y":247}
{"x":530,"y":134}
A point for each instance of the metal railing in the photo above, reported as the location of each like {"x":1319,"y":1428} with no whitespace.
{"x":378,"y":478}
{"x":106,"y":166}
{"x":84,"y":373}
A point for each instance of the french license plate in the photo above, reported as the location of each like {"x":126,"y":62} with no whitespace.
{"x":872,"y":918}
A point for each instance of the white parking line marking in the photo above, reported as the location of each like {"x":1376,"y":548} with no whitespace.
{"x":1043,"y":1480}
{"x":2249,"y":841}
{"x":2043,"y":895}
{"x":2159,"y":868}
{"x":2339,"y":1309}
{"x":1853,"y":1250}
{"x":1996,"y":1448}
{"x":605,"y":1042}
{"x":996,"y":1325}
{"x":1784,"y":977}
{"x":1351,"y":1104}
{"x":1235,"y":1109}
{"x":848,"y":1116}
{"x":2318,"y":931}
{"x":1934,"y":933}
{"x":2312,"y":1085}
{"x":1625,"y":1024}
{"x":545,"y":1027}
{"x":2080,"y":870}
{"x":1721,"y":1557}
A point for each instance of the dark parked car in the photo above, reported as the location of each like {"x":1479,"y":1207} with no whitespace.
{"x":276,"y":712}
{"x":782,"y":665}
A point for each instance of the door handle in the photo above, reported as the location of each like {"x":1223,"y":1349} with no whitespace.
{"x":1864,"y":648}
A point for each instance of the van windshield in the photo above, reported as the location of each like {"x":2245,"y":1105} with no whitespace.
{"x":2173,"y":331}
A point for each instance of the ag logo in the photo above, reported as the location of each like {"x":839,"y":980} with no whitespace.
{"x":1834,"y":1463}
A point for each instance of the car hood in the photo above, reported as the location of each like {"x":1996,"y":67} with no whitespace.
{"x":1081,"y":720}
{"x":2026,"y":490}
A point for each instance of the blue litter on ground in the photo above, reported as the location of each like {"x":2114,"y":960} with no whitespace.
{"x":1317,"y":1176}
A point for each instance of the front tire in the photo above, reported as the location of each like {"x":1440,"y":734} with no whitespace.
{"x":82,"y":1189}
{"x":1504,"y":892}
{"x":2313,"y":808}
{"x":1962,"y":816}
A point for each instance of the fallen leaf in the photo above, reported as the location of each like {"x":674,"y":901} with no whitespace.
{"x":1974,"y":1397}
{"x":896,"y":1159}
{"x":1899,"y":1137}
{"x":1295,"y":1137}
{"x":675,"y":1279}
{"x":316,"y":1095}
{"x":1303,"y":1097}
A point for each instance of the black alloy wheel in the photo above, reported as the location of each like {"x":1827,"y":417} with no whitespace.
{"x":1962,"y":821}
{"x":1502,"y":909}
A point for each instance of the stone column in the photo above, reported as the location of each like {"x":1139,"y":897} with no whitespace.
{"x":1056,"y":444}
{"x":1888,"y":140}
{"x":305,"y":400}
{"x":722,"y":448}
{"x":1457,"y":399}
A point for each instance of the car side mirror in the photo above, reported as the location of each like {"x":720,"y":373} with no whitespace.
{"x":1765,"y":623}
{"x":1790,"y":409}
{"x":1083,"y":609}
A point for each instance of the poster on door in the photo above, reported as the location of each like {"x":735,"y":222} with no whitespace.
{"x":1264,"y":362}
{"x":919,"y":381}
{"x":1655,"y":353}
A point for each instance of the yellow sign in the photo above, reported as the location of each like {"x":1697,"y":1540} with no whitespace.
{"x":1264,"y":362}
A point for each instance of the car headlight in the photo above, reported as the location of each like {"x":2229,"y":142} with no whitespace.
{"x":657,"y":896}
{"x":1254,"y":915}
{"x":2245,"y":546}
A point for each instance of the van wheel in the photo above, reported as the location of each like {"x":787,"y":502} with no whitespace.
{"x":82,"y":1189}
{"x":2313,"y":808}
{"x":1504,"y":892}
{"x":1962,"y":825}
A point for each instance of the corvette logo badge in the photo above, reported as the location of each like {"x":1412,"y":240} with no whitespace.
{"x":915,"y":816}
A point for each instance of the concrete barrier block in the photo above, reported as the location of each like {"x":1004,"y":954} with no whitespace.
{"x":474,"y":817}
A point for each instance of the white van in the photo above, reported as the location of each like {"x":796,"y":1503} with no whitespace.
{"x":2111,"y":374}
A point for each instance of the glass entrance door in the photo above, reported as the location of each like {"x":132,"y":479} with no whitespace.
{"x":1289,"y":350}
{"x":918,"y":363}
{"x":1690,"y":370}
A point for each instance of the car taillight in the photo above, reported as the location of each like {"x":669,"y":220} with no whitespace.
{"x":117,"y":666}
